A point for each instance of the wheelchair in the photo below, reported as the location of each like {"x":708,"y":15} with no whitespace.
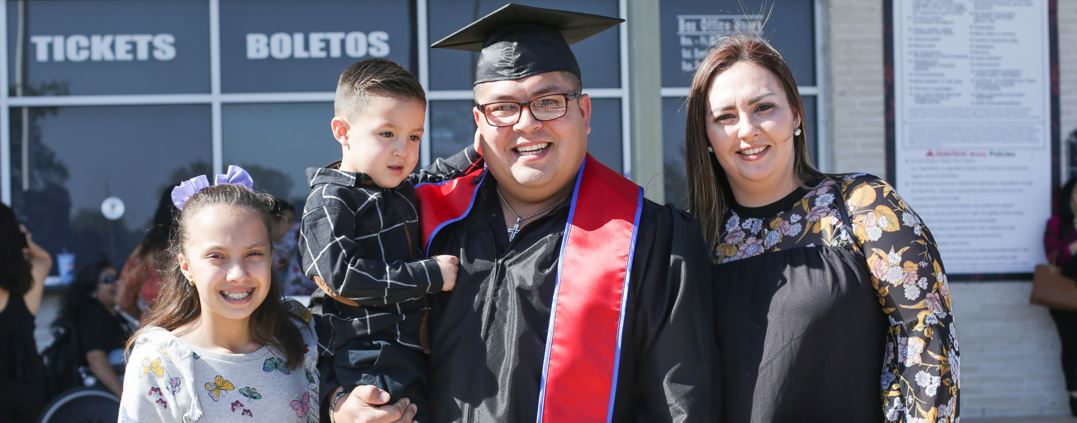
{"x":82,"y":405}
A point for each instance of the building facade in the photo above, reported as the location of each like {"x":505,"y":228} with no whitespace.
{"x":110,"y":102}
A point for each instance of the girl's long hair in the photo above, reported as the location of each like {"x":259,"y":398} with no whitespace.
{"x":708,"y":186}
{"x":177,"y":304}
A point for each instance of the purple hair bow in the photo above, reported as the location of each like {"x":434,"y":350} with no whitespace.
{"x":235,"y":176}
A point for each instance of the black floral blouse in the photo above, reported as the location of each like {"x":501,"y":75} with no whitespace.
{"x":920,"y":364}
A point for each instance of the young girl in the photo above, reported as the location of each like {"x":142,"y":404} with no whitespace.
{"x":218,"y":344}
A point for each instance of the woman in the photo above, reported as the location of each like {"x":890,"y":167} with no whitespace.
{"x":823,"y":282}
{"x":23,"y":267}
{"x":1060,"y":244}
{"x":89,"y":305}
{"x":141,"y":279}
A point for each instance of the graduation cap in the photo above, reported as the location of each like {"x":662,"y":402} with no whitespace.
{"x":517,"y":41}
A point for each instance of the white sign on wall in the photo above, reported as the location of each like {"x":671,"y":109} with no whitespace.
{"x":972,"y":121}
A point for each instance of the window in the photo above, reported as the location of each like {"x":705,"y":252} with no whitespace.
{"x":277,"y":142}
{"x":300,"y":46}
{"x":108,"y":47}
{"x":76,"y":157}
{"x":688,"y":31}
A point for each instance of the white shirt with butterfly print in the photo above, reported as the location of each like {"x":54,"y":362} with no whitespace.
{"x":169,"y":380}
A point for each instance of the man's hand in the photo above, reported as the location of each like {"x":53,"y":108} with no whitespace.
{"x":447,"y":264}
{"x":367,"y":404}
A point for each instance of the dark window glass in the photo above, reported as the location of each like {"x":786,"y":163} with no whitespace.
{"x":102,"y":47}
{"x":453,"y":128}
{"x":294,"y":46}
{"x":688,"y":28}
{"x":598,"y":56}
{"x":276,"y":143}
{"x":673,"y":126}
{"x":79,"y":156}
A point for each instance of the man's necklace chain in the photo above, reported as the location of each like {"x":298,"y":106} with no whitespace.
{"x":520,"y":219}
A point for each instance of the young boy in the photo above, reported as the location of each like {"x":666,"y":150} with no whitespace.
{"x":360,"y":238}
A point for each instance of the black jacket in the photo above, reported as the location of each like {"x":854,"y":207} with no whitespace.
{"x":363,"y":241}
{"x":488,"y":335}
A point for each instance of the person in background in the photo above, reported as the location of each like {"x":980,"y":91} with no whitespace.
{"x":89,"y":306}
{"x":831,"y":299}
{"x":1060,"y":244}
{"x":286,"y":266}
{"x":23,"y":268}
{"x":141,"y":278}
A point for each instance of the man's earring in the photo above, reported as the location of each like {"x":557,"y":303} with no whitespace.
{"x":796,"y":133}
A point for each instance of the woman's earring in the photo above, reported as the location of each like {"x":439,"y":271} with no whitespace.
{"x":710,"y":149}
{"x":796,"y":133}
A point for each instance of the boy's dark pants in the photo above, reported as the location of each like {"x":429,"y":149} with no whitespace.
{"x":388,"y":365}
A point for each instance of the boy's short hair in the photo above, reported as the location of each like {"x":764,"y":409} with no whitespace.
{"x":374,"y":77}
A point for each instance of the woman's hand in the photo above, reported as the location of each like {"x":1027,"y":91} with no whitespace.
{"x":40,"y":260}
{"x":40,"y":263}
{"x":368,"y":404}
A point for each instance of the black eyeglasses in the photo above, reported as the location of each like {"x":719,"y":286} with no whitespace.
{"x":507,"y":113}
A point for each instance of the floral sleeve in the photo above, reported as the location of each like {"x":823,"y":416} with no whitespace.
{"x":920,"y":375}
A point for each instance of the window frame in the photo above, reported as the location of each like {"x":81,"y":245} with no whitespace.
{"x":215,"y":98}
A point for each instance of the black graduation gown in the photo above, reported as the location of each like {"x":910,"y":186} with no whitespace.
{"x":488,"y":335}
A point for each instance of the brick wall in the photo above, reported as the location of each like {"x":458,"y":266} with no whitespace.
{"x":1009,"y":348}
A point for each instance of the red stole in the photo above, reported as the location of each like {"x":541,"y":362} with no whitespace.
{"x":583,"y":343}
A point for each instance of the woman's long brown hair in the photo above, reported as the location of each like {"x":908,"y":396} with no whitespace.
{"x":708,"y":185}
{"x":177,"y":303}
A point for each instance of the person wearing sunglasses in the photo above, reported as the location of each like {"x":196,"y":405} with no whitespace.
{"x":89,"y":307}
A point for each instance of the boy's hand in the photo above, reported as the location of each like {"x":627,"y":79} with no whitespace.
{"x":448,"y":271}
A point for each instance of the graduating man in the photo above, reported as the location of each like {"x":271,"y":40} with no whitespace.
{"x":576,"y":300}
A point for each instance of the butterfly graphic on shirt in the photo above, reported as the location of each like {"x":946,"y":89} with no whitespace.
{"x":173,"y":385}
{"x":250,"y":392}
{"x":153,"y":366}
{"x":301,"y":405}
{"x":276,"y":363}
{"x":237,"y":405}
{"x":218,"y":385}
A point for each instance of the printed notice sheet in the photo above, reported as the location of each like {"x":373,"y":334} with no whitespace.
{"x":972,"y":135}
